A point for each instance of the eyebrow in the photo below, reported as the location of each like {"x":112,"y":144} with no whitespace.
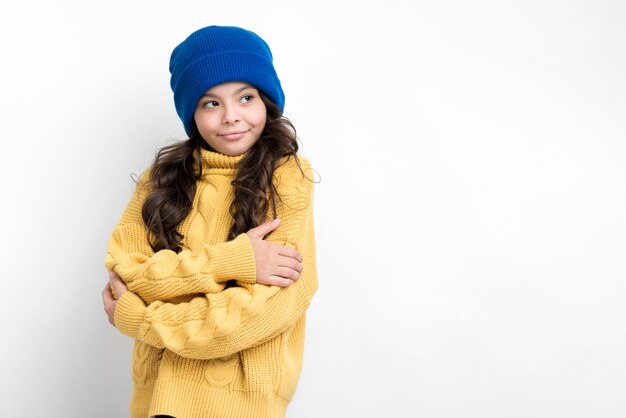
{"x":239,"y":90}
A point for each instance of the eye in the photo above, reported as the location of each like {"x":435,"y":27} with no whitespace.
{"x":209,"y":104}
{"x":246,"y":98}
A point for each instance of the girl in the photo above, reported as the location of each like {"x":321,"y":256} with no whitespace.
{"x":217,"y":307}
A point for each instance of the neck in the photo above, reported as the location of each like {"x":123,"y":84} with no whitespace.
{"x":212,"y":159}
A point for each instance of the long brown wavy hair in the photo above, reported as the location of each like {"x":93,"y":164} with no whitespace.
{"x":177,"y":167}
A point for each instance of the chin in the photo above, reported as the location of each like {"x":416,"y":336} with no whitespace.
{"x":235,"y":151}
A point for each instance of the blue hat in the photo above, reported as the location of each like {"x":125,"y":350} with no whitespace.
{"x":215,"y":55}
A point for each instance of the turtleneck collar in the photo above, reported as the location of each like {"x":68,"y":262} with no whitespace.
{"x":214,"y":160}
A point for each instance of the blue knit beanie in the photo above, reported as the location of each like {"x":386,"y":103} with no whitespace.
{"x":215,"y":55}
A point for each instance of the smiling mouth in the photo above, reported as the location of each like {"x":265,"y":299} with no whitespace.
{"x":233,"y":136}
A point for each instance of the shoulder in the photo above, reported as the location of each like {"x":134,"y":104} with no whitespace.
{"x":132,"y":214}
{"x":294,"y":175}
{"x":293,"y":163}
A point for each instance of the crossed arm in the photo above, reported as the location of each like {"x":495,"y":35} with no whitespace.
{"x":223,"y":320}
{"x":276,"y":265}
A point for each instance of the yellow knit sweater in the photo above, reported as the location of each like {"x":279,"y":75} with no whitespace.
{"x":203,"y":349}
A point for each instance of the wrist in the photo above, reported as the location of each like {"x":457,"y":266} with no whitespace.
{"x":129,"y":314}
{"x":234,"y":260}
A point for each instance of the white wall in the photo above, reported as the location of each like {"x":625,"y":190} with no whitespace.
{"x":470,"y":218}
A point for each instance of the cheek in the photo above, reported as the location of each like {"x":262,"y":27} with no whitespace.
{"x":261,"y":122}
{"x":260,"y":118}
{"x":204,"y":122}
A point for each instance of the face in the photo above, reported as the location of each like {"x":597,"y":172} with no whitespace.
{"x":231,"y":117}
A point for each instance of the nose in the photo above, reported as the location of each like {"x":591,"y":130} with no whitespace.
{"x":230,"y":114}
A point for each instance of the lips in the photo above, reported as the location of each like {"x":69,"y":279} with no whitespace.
{"x":233,"y":136}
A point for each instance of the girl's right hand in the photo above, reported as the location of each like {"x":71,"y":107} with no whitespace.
{"x":276,"y":265}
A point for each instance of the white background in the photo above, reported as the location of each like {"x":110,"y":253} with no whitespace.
{"x":470,"y":216}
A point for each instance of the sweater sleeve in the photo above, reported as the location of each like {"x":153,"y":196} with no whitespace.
{"x":218,"y":324}
{"x":165,"y":275}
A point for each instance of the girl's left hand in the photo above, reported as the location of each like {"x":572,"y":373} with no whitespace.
{"x":112,"y":291}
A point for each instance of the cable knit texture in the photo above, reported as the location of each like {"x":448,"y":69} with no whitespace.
{"x":204,"y":348}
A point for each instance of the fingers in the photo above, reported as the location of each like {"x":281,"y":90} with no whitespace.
{"x":278,"y":281}
{"x":107,"y":295}
{"x":282,"y":275}
{"x":291,"y":263}
{"x":109,"y":302}
{"x":284,"y":251}
{"x":118,"y":287}
{"x":262,"y":230}
{"x":290,"y":252}
{"x":276,"y":265}
{"x":288,"y":262}
{"x":288,"y":273}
